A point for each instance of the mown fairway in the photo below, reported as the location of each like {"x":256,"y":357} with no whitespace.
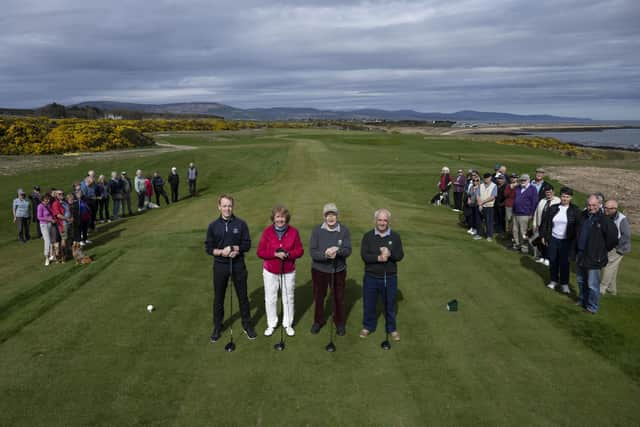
{"x":77,"y":346}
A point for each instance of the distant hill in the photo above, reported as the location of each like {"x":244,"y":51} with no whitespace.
{"x":98,"y":109}
{"x":290,"y":113}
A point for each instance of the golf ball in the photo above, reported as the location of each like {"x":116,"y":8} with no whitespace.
{"x":150,"y":308}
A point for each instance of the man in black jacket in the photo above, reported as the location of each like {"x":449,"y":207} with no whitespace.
{"x":381,"y":249}
{"x":158,"y":188}
{"x":597,"y":235}
{"x":227,"y":240}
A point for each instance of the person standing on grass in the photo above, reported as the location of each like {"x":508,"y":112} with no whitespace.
{"x":126,"y":194}
{"x":473,"y":213}
{"x":539,"y":249}
{"x":597,"y":235}
{"x":459,"y":185}
{"x":279,"y":247}
{"x":140,"y":189}
{"x":46,"y":220}
{"x":557,"y":231}
{"x":615,"y":255}
{"x":35,"y":199}
{"x":192,"y":176}
{"x":540,"y":184}
{"x":227,"y":241}
{"x":115,"y":189}
{"x":499,"y":209}
{"x":21,"y":213}
{"x":381,"y":250}
{"x":158,"y":188}
{"x":102,"y":194}
{"x":444,"y":184}
{"x":524,"y":205}
{"x":88,"y":187}
{"x":330,"y":247}
{"x":174,"y":182}
{"x":486,"y":199}
{"x":509,"y":197}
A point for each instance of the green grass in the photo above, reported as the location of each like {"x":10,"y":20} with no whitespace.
{"x":77,"y":346}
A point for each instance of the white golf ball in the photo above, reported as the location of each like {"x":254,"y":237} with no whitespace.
{"x":150,"y":308}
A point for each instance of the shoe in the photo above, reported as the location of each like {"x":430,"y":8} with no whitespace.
{"x":471,"y":231}
{"x":88,"y":242}
{"x":546,"y":262}
{"x":565,"y":289}
{"x":315,"y":328}
{"x":586,"y":310}
{"x":340,"y":330}
{"x":552,"y":285}
{"x":290,"y":331}
{"x":364,"y":333}
{"x":395,"y":336}
{"x":489,"y":239}
{"x":215,"y":335}
{"x":82,"y":243}
{"x":46,"y":261}
{"x":268,"y":332}
{"x":52,"y":258}
{"x":251,"y":333}
{"x":515,"y":248}
{"x":540,"y":260}
{"x":477,"y":237}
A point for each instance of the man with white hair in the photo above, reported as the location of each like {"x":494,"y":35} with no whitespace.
{"x":614,"y":257}
{"x":138,"y":184}
{"x":524,"y":205}
{"x":381,"y":250}
{"x":192,"y":175}
{"x":597,"y":235}
{"x":174,"y":181}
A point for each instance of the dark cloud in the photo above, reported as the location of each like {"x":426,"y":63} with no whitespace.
{"x":571,"y":57}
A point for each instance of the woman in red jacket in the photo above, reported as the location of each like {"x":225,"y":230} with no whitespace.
{"x":279,"y":247}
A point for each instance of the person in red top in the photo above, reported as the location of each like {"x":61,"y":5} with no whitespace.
{"x":444,"y":184}
{"x":279,"y":247}
{"x":57,"y":210}
{"x":148,"y":192}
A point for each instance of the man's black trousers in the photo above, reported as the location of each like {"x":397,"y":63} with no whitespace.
{"x":220,"y":279}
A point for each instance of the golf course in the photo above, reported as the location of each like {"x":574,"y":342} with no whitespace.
{"x":79,"y":348}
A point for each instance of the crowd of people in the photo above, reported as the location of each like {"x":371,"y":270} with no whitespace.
{"x":64,"y":220}
{"x":228,"y":240}
{"x":531,"y":219}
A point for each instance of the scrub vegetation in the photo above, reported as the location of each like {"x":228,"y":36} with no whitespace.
{"x":78,"y":347}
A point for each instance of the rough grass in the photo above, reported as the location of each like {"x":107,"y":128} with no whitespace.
{"x":79,"y":348}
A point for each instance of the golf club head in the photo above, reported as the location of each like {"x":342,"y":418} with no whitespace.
{"x":279,"y":346}
{"x":231,"y":346}
{"x":386,"y":345}
{"x":330,"y":347}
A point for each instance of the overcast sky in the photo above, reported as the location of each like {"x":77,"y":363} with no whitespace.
{"x":576,"y":58}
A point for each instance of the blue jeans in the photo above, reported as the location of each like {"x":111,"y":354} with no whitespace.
{"x":589,"y":284}
{"x":372,"y":288}
{"x":487,"y":214}
{"x":116,"y":208}
{"x":558,"y":255}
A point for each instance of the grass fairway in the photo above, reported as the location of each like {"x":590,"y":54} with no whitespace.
{"x":77,"y":346}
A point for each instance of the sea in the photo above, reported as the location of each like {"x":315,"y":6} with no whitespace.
{"x":628,"y":139}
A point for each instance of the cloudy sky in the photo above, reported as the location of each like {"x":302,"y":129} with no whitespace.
{"x":578,"y":58}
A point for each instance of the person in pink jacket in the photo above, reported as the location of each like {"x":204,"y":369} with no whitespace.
{"x":279,"y":247}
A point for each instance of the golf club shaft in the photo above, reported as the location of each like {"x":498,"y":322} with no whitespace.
{"x":282,"y":296}
{"x":386,"y":319}
{"x":230,"y":290}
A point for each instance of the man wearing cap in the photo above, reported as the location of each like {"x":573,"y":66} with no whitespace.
{"x":192,"y":175}
{"x":329,"y":248}
{"x":381,"y":250}
{"x":614,"y":257}
{"x":540,"y":184}
{"x":509,"y":197}
{"x":174,"y":181}
{"x":487,"y":193}
{"x":597,"y":235}
{"x":540,"y":250}
{"x":21,"y":214}
{"x":524,"y":205}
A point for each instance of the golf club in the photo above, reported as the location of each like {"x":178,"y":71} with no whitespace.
{"x":231,"y":346}
{"x":280,"y":345}
{"x":331,"y":347}
{"x":386,"y":345}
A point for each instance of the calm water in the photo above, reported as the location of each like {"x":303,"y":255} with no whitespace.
{"x":624,"y":138}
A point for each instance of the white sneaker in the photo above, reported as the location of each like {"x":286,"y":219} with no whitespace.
{"x":471,"y":231}
{"x":552,"y":285}
{"x":289,"y":330}
{"x":477,"y":237}
{"x":81,"y":243}
{"x":46,"y":261}
{"x":52,"y":258}
{"x":268,"y":332}
{"x":565,"y":289}
{"x":540,"y":260}
{"x":88,"y":242}
{"x":489,"y":239}
{"x":546,"y":262}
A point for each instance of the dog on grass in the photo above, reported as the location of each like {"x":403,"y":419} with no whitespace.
{"x":78,"y":254}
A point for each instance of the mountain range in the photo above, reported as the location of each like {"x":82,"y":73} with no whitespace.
{"x":292,"y":113}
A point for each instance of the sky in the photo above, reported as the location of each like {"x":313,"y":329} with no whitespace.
{"x":578,"y":58}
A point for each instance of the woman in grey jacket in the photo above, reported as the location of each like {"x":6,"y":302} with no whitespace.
{"x":330,"y":246}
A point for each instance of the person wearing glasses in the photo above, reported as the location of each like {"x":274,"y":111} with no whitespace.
{"x":614,"y":257}
{"x":473,"y":213}
{"x":597,"y":235}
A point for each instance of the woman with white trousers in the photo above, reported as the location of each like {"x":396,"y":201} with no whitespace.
{"x":279,"y":247}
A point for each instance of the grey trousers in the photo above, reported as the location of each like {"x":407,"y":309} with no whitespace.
{"x":610,"y":272}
